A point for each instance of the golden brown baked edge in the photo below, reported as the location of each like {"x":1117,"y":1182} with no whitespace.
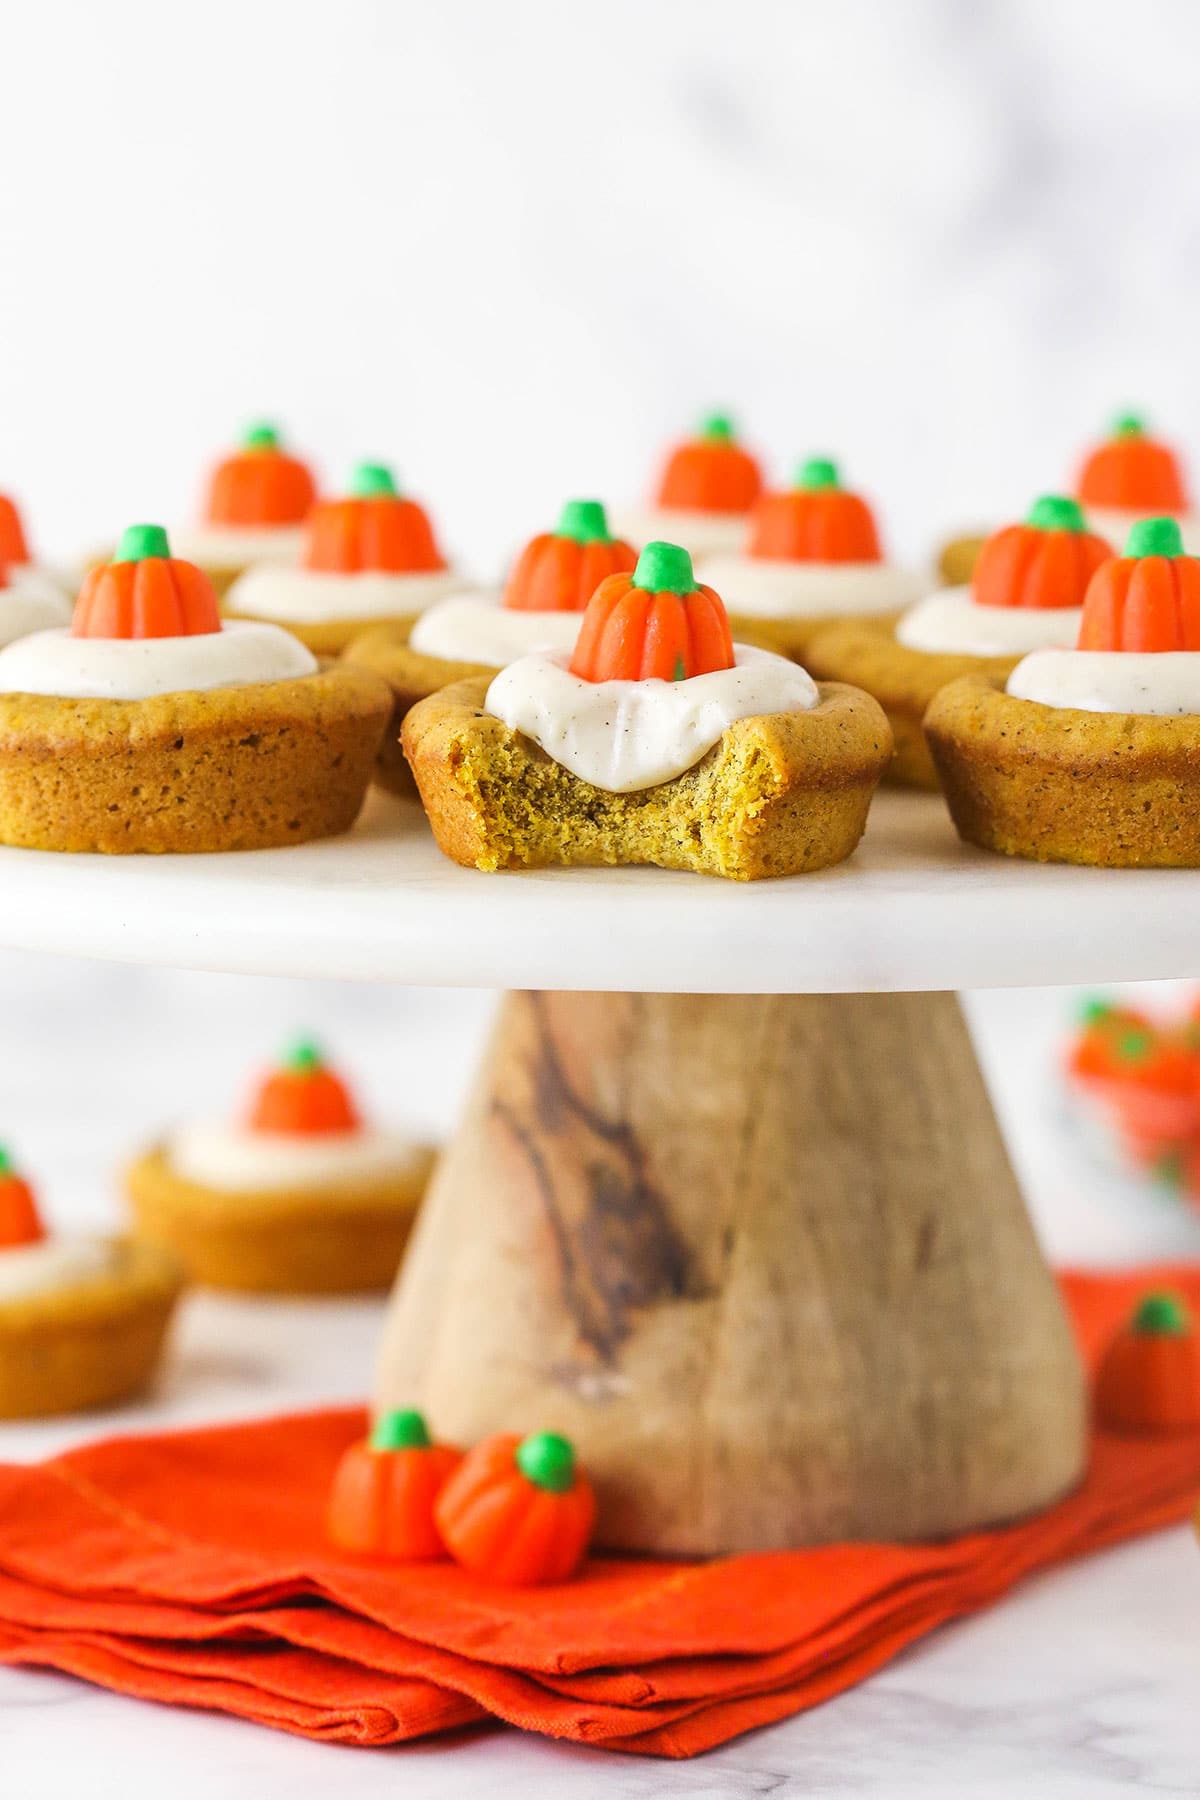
{"x":1055,"y":784}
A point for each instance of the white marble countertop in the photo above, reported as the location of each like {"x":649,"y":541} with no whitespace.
{"x":1081,"y":1686}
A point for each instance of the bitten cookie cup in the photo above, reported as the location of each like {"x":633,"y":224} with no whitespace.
{"x":903,"y":681}
{"x":232,"y":768}
{"x":1053,"y":784}
{"x":779,"y":794}
{"x":410,"y":676}
{"x":321,"y":1240}
{"x":88,"y":1342}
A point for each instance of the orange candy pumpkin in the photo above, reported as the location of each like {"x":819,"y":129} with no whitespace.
{"x":13,"y":545}
{"x":816,"y":520}
{"x":260,"y":484}
{"x":1112,"y":1038}
{"x":518,"y":1511}
{"x":1046,"y":562}
{"x":559,"y":571}
{"x":653,"y":624}
{"x":1146,"y":600}
{"x":145,"y":592}
{"x":303,"y":1098}
{"x":19,"y":1219}
{"x":385,"y":1489}
{"x":374,"y":527}
{"x":710,"y":473}
{"x":1133,"y":472}
{"x":1149,"y":1377}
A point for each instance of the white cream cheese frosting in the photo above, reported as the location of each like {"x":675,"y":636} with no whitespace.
{"x":1114,"y":523}
{"x":700,"y":533}
{"x":81,"y":668}
{"x":233,"y":1159}
{"x":760,"y":587}
{"x":317,"y":596}
{"x":627,"y":735}
{"x":475,"y":628}
{"x":52,"y":1262}
{"x":32,"y":601}
{"x":951,"y":622}
{"x":227,"y":546}
{"x":1165,"y":682}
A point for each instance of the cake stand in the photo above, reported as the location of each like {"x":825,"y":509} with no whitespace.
{"x":729,"y":1204}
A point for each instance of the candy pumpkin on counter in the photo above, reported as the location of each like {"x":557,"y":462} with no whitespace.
{"x":518,"y":1511}
{"x":385,"y":1490}
{"x":1149,"y":1377}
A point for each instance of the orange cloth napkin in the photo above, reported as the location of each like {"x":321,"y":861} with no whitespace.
{"x":192,"y":1568}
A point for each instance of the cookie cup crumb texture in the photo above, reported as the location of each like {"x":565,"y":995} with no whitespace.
{"x":325,"y":1240}
{"x":88,"y":1343}
{"x":777,"y":795}
{"x":1054,"y":784}
{"x":236,"y":768}
{"x":385,"y":649}
{"x":903,"y":681}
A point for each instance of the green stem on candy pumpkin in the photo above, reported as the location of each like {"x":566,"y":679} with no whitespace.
{"x":1161,"y":1315}
{"x":548,"y":1461}
{"x":1056,"y":512}
{"x":818,"y":473}
{"x":6,"y":1161}
{"x":261,"y":437}
{"x":1128,"y":425}
{"x":303,"y":1057}
{"x":373,"y":481}
{"x":717,"y":428}
{"x":139,"y":542}
{"x":1154,"y":537}
{"x":404,"y":1428}
{"x":585,"y":521}
{"x":664,"y":569}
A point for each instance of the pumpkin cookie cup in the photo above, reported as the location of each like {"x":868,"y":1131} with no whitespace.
{"x":778,"y":792}
{"x":237,"y":764}
{"x":255,"y":504}
{"x":812,"y":559}
{"x":1029,"y":584}
{"x":1113,"y":788}
{"x":302,"y":1198}
{"x":254,"y":511}
{"x":1129,"y":475}
{"x":1132,"y":475}
{"x":541,"y":607}
{"x":368,"y":558}
{"x":82,"y":1322}
{"x":704,"y":494}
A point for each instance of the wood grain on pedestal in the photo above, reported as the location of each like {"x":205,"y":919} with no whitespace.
{"x":764,"y":1259}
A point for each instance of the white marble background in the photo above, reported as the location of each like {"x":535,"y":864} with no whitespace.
{"x":512,"y":247}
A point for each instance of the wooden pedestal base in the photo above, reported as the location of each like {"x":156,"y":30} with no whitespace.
{"x":763,"y":1259}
